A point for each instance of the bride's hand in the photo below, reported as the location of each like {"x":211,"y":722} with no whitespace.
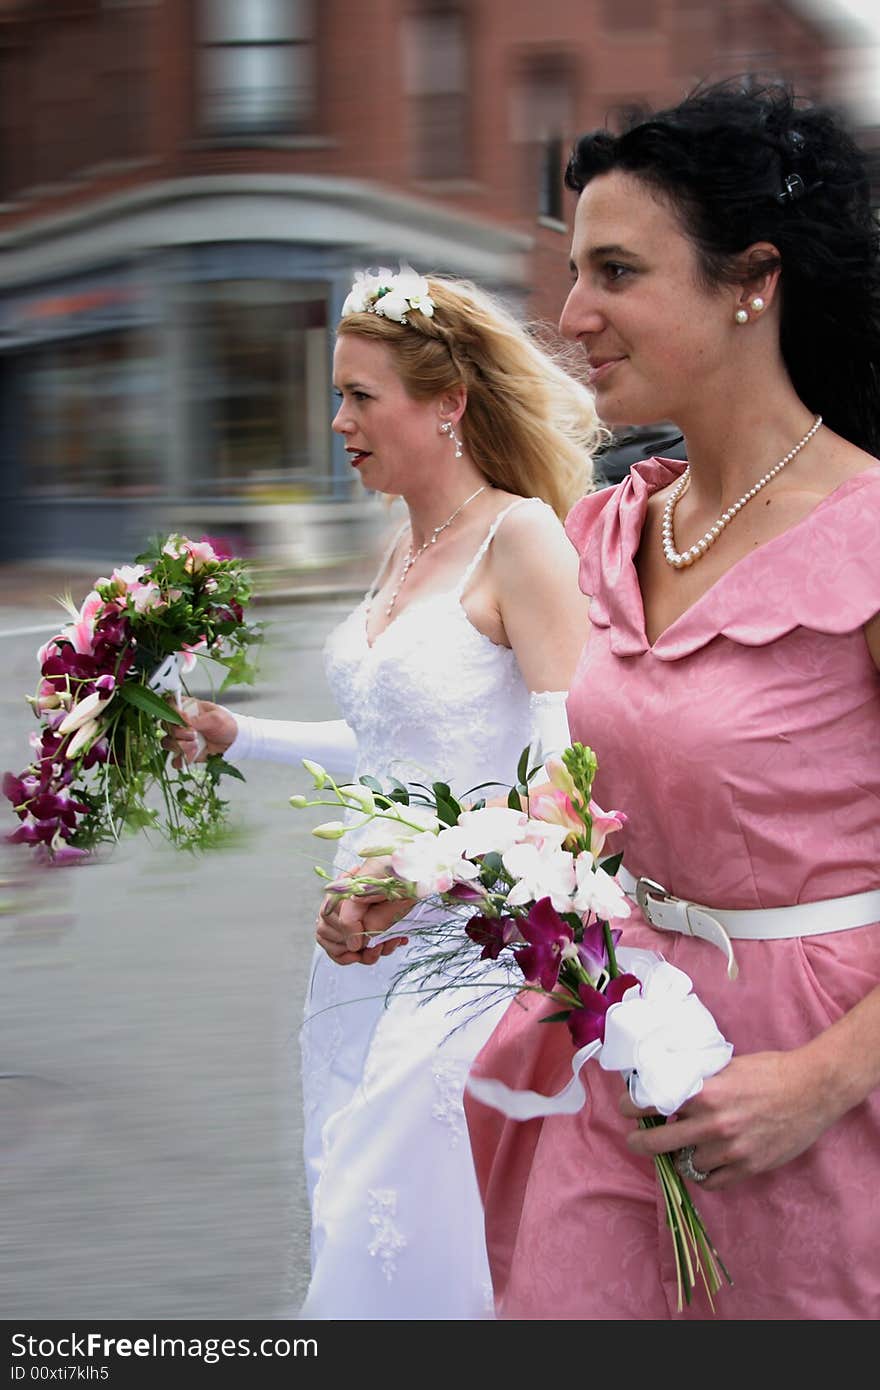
{"x":346,"y":925}
{"x":215,"y":724}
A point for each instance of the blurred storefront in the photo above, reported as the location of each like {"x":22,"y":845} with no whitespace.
{"x":191,"y":385}
{"x":187,"y":186}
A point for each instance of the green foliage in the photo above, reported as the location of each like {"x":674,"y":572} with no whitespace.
{"x":133,"y":693}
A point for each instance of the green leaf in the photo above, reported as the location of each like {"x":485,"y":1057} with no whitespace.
{"x":448,"y":810}
{"x":441,"y":790}
{"x":399,"y":791}
{"x":556,"y":1018}
{"x":513,"y":800}
{"x":478,"y":788}
{"x":140,"y":818}
{"x":522,"y":767}
{"x":219,"y":767}
{"x":147,"y":700}
{"x":372,"y":783}
{"x":612,"y":864}
{"x":239,"y":671}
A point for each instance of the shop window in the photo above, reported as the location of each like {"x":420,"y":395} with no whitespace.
{"x":259,"y":391}
{"x":436,"y":81}
{"x":257,"y":65}
{"x":92,"y":413}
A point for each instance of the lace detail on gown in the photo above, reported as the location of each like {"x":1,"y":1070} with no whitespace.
{"x":449,"y":1078}
{"x":431,"y":697}
{"x":388,"y":1241}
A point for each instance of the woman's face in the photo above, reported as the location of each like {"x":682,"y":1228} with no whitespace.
{"x":390,"y":438}
{"x":657,"y":339}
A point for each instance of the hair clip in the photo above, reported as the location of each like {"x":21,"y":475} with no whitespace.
{"x":794,"y":188}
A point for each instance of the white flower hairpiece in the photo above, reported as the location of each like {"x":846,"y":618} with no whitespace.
{"x":388,"y":295}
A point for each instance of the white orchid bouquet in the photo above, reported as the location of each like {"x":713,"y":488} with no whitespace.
{"x":110,"y":680}
{"x":530,"y":884}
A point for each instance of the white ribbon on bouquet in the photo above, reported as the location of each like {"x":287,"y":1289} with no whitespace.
{"x":659,"y":1035}
{"x":166,"y":680}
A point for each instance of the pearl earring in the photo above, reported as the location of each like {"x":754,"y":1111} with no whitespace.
{"x":757,"y":303}
{"x":742,"y":316}
{"x":446,"y":428}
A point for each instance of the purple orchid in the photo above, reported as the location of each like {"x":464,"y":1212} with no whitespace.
{"x":592,"y":950}
{"x":493,"y":934}
{"x":548,"y":934}
{"x":587,"y":1024}
{"x":467,"y":892}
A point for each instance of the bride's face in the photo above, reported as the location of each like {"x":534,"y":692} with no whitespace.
{"x":390,"y":438}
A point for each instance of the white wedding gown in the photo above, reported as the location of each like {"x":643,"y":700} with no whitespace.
{"x":397,"y":1223}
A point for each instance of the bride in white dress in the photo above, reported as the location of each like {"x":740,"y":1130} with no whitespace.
{"x":458,"y":658}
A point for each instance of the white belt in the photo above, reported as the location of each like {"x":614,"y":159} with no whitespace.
{"x":717,"y":925}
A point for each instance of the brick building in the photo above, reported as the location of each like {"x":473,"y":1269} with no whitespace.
{"x":187,"y":185}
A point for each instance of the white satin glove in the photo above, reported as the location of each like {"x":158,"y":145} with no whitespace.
{"x":549,"y":725}
{"x":330,"y":742}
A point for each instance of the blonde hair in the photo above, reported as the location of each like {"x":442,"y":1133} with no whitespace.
{"x":529,"y":426}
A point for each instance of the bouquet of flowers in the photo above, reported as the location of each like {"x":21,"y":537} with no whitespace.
{"x":529,"y":883}
{"x":109,"y":680}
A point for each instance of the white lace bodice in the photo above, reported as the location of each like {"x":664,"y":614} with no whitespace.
{"x":432,"y":698}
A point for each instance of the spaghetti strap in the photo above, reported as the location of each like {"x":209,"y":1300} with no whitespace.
{"x":385,"y":558}
{"x":487,"y":541}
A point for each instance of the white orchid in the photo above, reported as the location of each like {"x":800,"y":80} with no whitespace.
{"x":598,"y":892}
{"x":541,"y":871}
{"x":389,"y":295}
{"x":544,"y":834}
{"x":492,"y":828}
{"x":362,"y":293}
{"x":434,"y":862}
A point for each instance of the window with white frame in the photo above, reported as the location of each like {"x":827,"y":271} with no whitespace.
{"x":257,"y":66}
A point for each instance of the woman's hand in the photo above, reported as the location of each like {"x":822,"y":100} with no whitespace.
{"x":346,"y":925}
{"x":215,"y":724}
{"x":758,"y":1113}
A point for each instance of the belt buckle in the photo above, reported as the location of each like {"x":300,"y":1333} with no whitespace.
{"x":646,"y":886}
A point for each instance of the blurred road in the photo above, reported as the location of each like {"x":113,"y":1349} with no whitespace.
{"x":149,"y":1006}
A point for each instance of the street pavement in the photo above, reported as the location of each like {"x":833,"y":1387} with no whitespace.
{"x":150,"y":1122}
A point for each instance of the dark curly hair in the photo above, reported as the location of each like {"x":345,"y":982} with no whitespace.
{"x":744,"y":165}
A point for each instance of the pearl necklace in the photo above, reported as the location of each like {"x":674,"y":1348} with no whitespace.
{"x":412,"y":556}
{"x":679,"y":560}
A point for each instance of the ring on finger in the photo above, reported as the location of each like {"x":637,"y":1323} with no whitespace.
{"x":685,"y":1166}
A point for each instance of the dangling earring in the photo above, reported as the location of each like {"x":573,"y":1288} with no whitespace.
{"x":742,"y":316}
{"x":446,"y":428}
{"x":757,"y":304}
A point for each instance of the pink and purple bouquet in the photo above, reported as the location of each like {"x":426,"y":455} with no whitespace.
{"x":529,"y":884}
{"x":110,"y":679}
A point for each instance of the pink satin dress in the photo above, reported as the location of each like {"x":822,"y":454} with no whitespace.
{"x":745,"y":747}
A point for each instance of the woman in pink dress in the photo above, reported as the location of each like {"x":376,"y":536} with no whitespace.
{"x":727,"y":278}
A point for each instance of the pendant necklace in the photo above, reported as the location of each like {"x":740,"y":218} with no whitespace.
{"x":413,"y":555}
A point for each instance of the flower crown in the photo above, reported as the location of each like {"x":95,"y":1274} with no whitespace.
{"x":389,"y":295}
